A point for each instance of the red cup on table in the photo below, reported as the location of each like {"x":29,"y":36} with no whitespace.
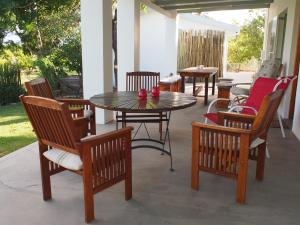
{"x":142,"y":94}
{"x":155,"y":91}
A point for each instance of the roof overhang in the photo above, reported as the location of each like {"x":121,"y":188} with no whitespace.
{"x":188,"y":6}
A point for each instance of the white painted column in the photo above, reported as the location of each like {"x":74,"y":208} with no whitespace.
{"x":128,"y":39}
{"x":96,"y":37}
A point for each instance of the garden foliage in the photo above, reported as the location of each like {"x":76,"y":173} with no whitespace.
{"x":10,"y":83}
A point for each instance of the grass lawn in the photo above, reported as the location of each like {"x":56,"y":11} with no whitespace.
{"x":15,"y":129}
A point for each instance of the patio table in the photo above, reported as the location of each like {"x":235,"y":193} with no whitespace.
{"x":128,"y":102}
{"x":206,"y":73}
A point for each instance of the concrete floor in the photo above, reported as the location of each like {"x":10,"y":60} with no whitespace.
{"x":160,"y":197}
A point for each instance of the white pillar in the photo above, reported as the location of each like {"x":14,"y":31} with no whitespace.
{"x":128,"y":39}
{"x":96,"y":37}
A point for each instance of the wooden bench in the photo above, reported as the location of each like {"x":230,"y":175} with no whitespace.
{"x":171,"y":83}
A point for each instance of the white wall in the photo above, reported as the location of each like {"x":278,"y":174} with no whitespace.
{"x":291,"y":24}
{"x":158,"y":43}
{"x":293,"y":8}
{"x":293,"y":15}
{"x":159,"y":34}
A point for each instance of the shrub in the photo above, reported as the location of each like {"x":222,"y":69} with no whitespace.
{"x":14,"y":54}
{"x":10,"y":83}
{"x":50,"y":71}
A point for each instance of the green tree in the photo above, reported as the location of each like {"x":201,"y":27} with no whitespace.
{"x":49,"y":30}
{"x":249,"y":42}
{"x":40,"y":24}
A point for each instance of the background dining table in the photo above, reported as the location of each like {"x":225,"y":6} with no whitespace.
{"x":202,"y":72}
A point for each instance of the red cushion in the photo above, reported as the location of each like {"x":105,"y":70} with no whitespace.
{"x":212,"y":117}
{"x":262,"y":87}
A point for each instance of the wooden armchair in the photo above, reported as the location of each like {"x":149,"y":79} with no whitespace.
{"x":101,"y":160}
{"x":134,"y":82}
{"x":78,"y":107}
{"x":224,"y":149}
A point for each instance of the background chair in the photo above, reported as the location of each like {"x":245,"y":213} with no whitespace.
{"x":78,"y":107}
{"x":134,"y":82}
{"x":224,"y":149}
{"x":101,"y":160}
{"x":271,"y":68}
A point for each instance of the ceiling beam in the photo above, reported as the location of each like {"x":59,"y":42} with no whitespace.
{"x":219,"y":4}
{"x":185,"y":2}
{"x":207,"y":9}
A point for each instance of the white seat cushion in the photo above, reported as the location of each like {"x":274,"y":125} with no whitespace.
{"x":65,"y":159}
{"x":87,"y":113}
{"x":255,"y":143}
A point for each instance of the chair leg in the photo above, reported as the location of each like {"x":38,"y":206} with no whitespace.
{"x":128,"y":177}
{"x":88,"y":188}
{"x":242,"y":171}
{"x":195,"y":160}
{"x":281,"y":125}
{"x":45,"y":173}
{"x":241,"y":187}
{"x":160,"y":126}
{"x":260,"y":166}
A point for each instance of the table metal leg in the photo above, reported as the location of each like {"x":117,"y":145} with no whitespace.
{"x":123,"y":119}
{"x":164,"y":142}
{"x":213,"y":84}
{"x":194,"y":86}
{"x":117,"y":124}
{"x":206,"y":92}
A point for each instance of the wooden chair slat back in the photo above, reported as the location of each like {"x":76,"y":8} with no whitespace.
{"x":39,"y":87}
{"x":138,"y":80}
{"x":266,"y":113}
{"x":51,"y":122}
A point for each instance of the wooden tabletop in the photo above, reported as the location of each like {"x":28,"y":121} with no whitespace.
{"x":128,"y":101}
{"x":200,"y":70}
